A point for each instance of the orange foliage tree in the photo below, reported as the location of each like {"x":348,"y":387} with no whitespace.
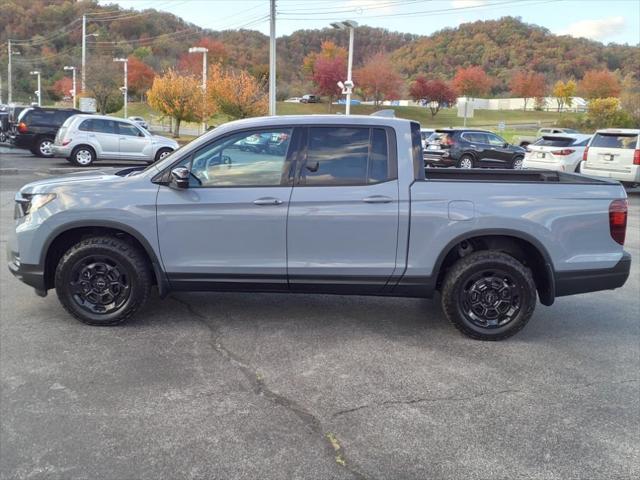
{"x":472,"y":82}
{"x":378,"y":79}
{"x":140,"y":76}
{"x":61,"y":88}
{"x":177,"y":96}
{"x":599,"y":84}
{"x":528,"y":85}
{"x":235,"y":93}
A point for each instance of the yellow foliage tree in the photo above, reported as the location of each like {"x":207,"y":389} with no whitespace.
{"x":178,"y":96}
{"x":564,"y":93}
{"x":235,"y":93}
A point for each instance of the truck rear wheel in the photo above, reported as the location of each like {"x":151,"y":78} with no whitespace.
{"x":103,"y":280}
{"x":489,"y":295}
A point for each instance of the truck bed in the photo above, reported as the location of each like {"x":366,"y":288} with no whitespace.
{"x":508,"y":176}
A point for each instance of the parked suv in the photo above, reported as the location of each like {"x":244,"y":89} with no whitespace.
{"x":83,"y":139}
{"x":559,"y":151}
{"x":310,"y":99}
{"x":614,"y":153}
{"x":37,"y":127}
{"x":471,"y":148}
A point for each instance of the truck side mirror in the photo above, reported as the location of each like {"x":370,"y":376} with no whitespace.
{"x":180,"y":177}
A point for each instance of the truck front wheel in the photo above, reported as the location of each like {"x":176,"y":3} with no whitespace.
{"x":103,"y":280}
{"x":489,"y":295}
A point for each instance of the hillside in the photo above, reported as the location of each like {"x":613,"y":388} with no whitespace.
{"x":51,"y":34}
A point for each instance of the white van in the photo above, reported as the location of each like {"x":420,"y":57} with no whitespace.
{"x":613,"y":153}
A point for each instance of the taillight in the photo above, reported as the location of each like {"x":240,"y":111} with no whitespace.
{"x":636,"y":157}
{"x":66,"y":142}
{"x":564,"y":151}
{"x":22,"y":127}
{"x":618,"y":220}
{"x":585,"y":153}
{"x":447,"y":141}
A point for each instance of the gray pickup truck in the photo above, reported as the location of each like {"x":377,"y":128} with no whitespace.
{"x":331,"y":204}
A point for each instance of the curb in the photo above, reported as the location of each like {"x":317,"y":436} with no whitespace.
{"x":16,"y":171}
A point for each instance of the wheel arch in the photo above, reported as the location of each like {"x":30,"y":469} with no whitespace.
{"x":61,"y":239}
{"x":520,"y":245}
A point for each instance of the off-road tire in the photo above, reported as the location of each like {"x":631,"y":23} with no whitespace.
{"x":461,"y":273}
{"x":126,"y":256}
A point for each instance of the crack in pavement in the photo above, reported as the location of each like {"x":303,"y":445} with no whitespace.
{"x":462,"y":399}
{"x":387,"y":403}
{"x":259,"y":387}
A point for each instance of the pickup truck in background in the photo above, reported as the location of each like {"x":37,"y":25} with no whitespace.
{"x":346,"y":206}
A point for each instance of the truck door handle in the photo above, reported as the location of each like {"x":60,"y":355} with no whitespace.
{"x":377,"y":199}
{"x":267,"y":201}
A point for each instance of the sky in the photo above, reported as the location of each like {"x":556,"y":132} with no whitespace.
{"x":606,"y":21}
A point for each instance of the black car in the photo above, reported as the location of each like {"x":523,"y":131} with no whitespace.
{"x":37,"y":128}
{"x":471,"y":148}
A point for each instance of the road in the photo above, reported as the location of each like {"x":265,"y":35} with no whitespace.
{"x":267,"y":386}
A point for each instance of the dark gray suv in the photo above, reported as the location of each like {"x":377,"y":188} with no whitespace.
{"x":471,"y":148}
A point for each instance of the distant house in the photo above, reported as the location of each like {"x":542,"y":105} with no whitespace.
{"x":578,"y":104}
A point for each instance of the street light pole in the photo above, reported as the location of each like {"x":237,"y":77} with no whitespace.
{"x":204,"y":51}
{"x":84,"y":52}
{"x":351,"y":26}
{"x":73,"y":91}
{"x":9,"y":82}
{"x":125,"y":61}
{"x":37,"y":72}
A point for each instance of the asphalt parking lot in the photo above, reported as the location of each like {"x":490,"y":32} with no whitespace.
{"x":232,"y":386}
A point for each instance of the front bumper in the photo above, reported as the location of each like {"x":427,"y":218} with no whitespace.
{"x":583,"y":281}
{"x":32,"y":275}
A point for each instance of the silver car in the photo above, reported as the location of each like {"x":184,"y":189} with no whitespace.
{"x":83,"y":139}
{"x":140,"y":121}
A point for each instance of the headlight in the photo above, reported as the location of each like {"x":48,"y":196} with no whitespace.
{"x":28,"y":203}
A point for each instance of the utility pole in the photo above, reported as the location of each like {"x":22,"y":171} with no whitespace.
{"x":204,"y":51}
{"x":84,"y":52}
{"x":9,"y":74}
{"x":272,"y":59}
{"x":347,"y":87}
{"x":37,"y":72}
{"x":125,"y":61}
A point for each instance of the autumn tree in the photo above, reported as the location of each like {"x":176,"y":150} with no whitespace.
{"x":103,"y":81}
{"x":177,"y":96}
{"x":606,"y":113}
{"x":236,"y":93}
{"x":61,"y":88}
{"x":599,"y":84}
{"x":435,"y":93}
{"x":564,"y":93}
{"x":378,"y":79}
{"x":528,"y":85}
{"x":630,"y":97}
{"x":326,"y":68}
{"x":472,"y":82}
{"x":140,"y":76}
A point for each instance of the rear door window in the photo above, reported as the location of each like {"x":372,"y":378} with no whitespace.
{"x":346,"y":156}
{"x":104,"y":126}
{"x":39,"y":117}
{"x":626,"y":141}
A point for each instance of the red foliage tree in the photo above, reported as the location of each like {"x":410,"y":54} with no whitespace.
{"x":528,"y":85}
{"x":140,"y":76}
{"x":61,"y":88}
{"x":599,"y":84}
{"x":472,"y":82}
{"x":435,"y":92}
{"x":191,"y":63}
{"x":327,"y":72}
{"x":378,"y":79}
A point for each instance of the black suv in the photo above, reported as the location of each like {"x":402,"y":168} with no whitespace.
{"x":471,"y":148}
{"x":37,"y":128}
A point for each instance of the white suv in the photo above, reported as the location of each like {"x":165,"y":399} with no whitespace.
{"x":83,"y":139}
{"x":613,"y":153}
